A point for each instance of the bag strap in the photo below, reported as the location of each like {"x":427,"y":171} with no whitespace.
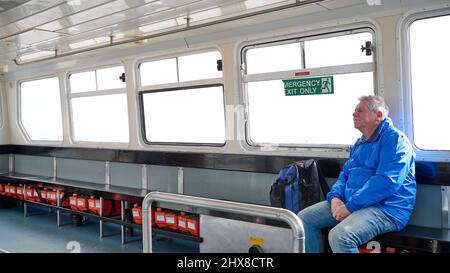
{"x":297,"y":172}
{"x":323,"y":183}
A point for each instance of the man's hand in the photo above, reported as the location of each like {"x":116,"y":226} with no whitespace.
{"x":335,"y":203}
{"x":341,"y":213}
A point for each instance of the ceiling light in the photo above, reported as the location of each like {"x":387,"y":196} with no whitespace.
{"x":118,"y":35}
{"x":202,"y":15}
{"x":36,"y":55}
{"x":101,"y":40}
{"x":158,"y":26}
{"x":251,"y":4}
{"x":81,"y":44}
{"x":90,"y":42}
{"x":74,"y":3}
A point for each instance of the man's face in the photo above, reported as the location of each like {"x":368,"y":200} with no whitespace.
{"x":363,"y":117}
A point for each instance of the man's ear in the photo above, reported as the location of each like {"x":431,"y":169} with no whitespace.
{"x":379,"y":115}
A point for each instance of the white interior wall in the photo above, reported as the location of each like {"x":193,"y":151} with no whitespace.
{"x":4,"y":128}
{"x":228,"y":38}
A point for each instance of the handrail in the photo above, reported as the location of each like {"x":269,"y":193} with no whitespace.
{"x":223,"y":206}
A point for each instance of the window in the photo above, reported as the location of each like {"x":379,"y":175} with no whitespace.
{"x":340,"y":50}
{"x":193,"y":67}
{"x":429,"y":90}
{"x":40,"y":109}
{"x":99,"y":105}
{"x":279,"y":119}
{"x":101,"y":79}
{"x":159,"y":72}
{"x":199,"y":115}
{"x":199,"y":66}
{"x":199,"y":118}
{"x":274,"y":58}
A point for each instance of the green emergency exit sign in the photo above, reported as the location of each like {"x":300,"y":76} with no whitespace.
{"x":309,"y":86}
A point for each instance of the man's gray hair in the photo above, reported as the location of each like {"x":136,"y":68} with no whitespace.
{"x":376,"y":103}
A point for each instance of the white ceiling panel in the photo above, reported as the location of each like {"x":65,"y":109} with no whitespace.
{"x":67,"y":25}
{"x":71,"y":25}
{"x":7,"y":47}
{"x":7,"y":5}
{"x":27,"y":8}
{"x":31,"y":37}
{"x":145,"y":15}
{"x":40,"y":17}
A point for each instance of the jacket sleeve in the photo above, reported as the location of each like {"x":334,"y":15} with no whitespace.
{"x":394,"y":163}
{"x":338,"y":188}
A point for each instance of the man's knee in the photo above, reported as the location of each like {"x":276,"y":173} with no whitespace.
{"x":311,"y":213}
{"x":341,"y":235}
{"x":303,"y":213}
{"x":308,"y":217}
{"x":334,"y":236}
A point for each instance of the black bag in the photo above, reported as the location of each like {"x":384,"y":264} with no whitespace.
{"x":298,"y":186}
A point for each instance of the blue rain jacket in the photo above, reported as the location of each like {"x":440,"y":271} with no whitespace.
{"x":380,"y":172}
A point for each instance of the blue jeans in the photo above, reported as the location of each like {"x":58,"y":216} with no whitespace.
{"x":345,"y":237}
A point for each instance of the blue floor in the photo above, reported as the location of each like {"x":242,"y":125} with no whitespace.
{"x":40,"y":234}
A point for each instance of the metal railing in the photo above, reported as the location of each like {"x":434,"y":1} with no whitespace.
{"x":279,"y":214}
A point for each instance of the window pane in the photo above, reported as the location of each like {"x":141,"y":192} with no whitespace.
{"x":429,"y":74}
{"x":314,"y":119}
{"x":158,"y":72}
{"x":100,"y":118}
{"x":337,"y":50}
{"x":108,"y":78}
{"x":82,"y":82}
{"x":199,"y":116}
{"x":199,"y":66}
{"x":40,"y":109}
{"x":273,"y":58}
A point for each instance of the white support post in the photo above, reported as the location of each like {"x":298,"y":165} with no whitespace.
{"x":11,"y":163}
{"x":107,"y":175}
{"x":144,"y":177}
{"x":445,"y":190}
{"x":25,"y":205}
{"x":58,"y":204}
{"x":55,"y":168}
{"x":180,"y":180}
{"x":122,"y":218}
{"x":101,"y":215}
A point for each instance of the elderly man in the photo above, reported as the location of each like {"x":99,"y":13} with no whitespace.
{"x":376,"y":189}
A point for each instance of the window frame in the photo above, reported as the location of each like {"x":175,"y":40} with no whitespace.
{"x":96,"y":93}
{"x":21,"y":126}
{"x":406,"y":81}
{"x":204,"y":83}
{"x":375,"y":67}
{"x":141,"y":87}
{"x":2,"y":114}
